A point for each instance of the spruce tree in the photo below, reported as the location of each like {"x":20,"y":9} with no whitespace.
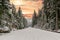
{"x":34,"y":19}
{"x":1,"y":11}
{"x":5,"y":16}
{"x":13,"y":9}
{"x":25,"y":22}
{"x":19,"y":12}
{"x":51,"y":8}
{"x":20,"y":18}
{"x":39,"y":13}
{"x":14,"y":17}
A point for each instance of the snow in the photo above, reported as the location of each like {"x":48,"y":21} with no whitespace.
{"x":6,"y":28}
{"x":31,"y":34}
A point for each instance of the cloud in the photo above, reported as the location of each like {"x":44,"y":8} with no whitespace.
{"x":28,"y":6}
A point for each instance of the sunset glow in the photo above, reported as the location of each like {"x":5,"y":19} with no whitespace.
{"x":28,"y":6}
{"x":17,"y":2}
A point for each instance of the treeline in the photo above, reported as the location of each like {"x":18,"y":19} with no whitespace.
{"x":9,"y":17}
{"x":48,"y":17}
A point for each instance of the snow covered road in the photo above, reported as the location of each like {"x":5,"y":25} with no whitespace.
{"x":31,"y":34}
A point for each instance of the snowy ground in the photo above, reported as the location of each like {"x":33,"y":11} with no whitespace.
{"x":31,"y":34}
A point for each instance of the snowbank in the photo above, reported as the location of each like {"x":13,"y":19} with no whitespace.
{"x":31,"y":34}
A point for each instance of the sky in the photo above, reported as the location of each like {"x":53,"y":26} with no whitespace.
{"x":28,"y":6}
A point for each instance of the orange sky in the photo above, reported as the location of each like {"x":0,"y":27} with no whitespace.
{"x":28,"y":6}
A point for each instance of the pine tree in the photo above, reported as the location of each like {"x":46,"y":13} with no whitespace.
{"x":20,"y":12}
{"x":34,"y":19}
{"x":51,"y":11}
{"x":13,"y":9}
{"x":25,"y":22}
{"x":57,"y":14}
{"x":39,"y":13}
{"x":1,"y":11}
{"x":14,"y":17}
{"x":20,"y":19}
{"x":49,"y":16}
{"x":4,"y":13}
